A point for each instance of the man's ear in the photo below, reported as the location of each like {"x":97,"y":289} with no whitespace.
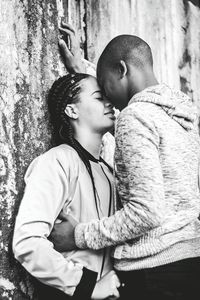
{"x":122,"y":68}
{"x":71,"y":111}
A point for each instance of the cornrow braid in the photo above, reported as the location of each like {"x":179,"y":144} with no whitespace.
{"x":65,"y":91}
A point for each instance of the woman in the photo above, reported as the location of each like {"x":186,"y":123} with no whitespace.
{"x":69,"y":178}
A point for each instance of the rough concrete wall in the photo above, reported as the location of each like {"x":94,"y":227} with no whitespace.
{"x":30,"y":62}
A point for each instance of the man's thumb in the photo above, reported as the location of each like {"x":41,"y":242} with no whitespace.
{"x":62,"y":216}
{"x":67,"y":218}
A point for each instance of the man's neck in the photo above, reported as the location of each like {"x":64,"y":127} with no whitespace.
{"x":150,"y":80}
{"x":90,"y":141}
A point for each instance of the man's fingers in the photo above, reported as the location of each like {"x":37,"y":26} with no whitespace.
{"x":68,"y":26}
{"x":62,"y":216}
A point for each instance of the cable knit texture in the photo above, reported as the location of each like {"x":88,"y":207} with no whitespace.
{"x":157,"y":159}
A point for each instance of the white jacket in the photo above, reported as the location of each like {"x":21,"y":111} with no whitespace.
{"x":55,"y":181}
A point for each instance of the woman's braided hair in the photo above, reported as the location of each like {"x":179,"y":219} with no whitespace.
{"x":65,"y":91}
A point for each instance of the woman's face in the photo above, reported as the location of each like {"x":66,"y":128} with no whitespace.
{"x":94,"y":111}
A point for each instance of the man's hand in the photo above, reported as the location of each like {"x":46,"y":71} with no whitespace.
{"x":62,"y":235}
{"x":70,"y":49}
{"x":107,"y":287}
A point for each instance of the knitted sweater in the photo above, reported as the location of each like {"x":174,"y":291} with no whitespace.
{"x":157,"y":160}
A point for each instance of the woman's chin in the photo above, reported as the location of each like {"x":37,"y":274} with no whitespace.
{"x":111,"y":127}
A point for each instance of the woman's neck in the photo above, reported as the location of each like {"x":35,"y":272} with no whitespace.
{"x":90,"y":141}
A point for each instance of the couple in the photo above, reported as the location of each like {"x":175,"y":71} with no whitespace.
{"x":156,"y":232}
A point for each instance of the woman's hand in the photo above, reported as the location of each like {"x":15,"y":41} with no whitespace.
{"x":70,"y":49}
{"x":106,"y":287}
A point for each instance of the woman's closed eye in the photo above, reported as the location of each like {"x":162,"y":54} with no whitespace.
{"x":98,"y":95}
{"x":99,"y":98}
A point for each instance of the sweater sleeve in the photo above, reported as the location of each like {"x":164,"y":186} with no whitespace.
{"x":139,"y":184}
{"x":47,"y":189}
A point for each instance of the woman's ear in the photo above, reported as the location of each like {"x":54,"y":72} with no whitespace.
{"x":71,"y":111}
{"x":122,"y":68}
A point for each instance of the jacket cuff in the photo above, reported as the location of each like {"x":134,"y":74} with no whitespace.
{"x":79,"y":236}
{"x":86,"y":286}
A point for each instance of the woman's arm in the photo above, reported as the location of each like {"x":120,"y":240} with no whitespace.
{"x":47,"y":188}
{"x":45,"y":194}
{"x":71,"y":53}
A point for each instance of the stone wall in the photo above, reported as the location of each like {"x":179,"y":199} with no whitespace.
{"x":30,"y":62}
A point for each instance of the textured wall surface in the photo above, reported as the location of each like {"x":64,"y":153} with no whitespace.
{"x":29,"y":63}
{"x":172,"y":29}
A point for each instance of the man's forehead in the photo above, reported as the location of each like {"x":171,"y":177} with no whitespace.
{"x":100,"y":76}
{"x":103,"y":73}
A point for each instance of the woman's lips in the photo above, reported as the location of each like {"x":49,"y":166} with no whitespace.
{"x":110,"y":112}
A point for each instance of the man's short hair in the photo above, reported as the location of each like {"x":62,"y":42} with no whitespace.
{"x":129,"y":48}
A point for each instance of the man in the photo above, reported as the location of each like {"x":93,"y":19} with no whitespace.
{"x":156,"y":233}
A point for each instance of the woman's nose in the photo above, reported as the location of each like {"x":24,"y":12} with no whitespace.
{"x":108,"y":104}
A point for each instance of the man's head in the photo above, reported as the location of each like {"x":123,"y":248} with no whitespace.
{"x":124,"y":68}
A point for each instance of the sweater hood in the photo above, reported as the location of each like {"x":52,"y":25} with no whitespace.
{"x":175,"y":103}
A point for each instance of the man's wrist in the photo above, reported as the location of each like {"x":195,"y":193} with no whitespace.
{"x":79,"y":236}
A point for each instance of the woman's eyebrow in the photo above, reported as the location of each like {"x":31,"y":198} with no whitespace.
{"x":96,"y":92}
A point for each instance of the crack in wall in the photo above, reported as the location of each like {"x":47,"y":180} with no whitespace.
{"x":85,"y":45}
